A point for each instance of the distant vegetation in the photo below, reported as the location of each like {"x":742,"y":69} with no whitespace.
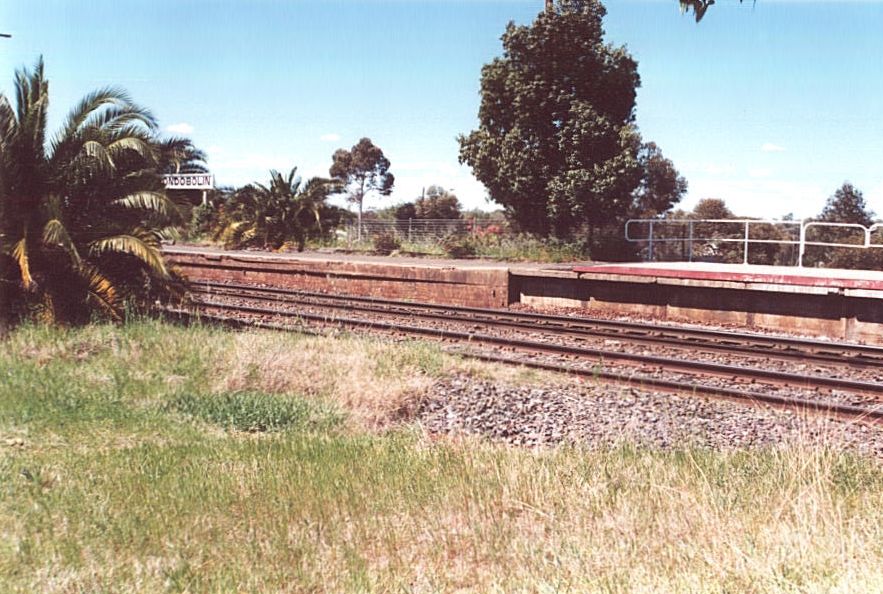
{"x":845,"y":205}
{"x":286,"y":210}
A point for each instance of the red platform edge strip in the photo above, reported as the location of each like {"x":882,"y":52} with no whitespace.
{"x":742,"y":277}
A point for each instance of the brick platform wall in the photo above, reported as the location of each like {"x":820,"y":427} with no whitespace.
{"x":474,"y":287}
{"x":837,"y":316}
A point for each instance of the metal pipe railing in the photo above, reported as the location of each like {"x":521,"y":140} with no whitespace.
{"x":745,"y":231}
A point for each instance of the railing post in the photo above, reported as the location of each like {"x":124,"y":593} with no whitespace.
{"x":745,"y":257}
{"x":801,"y":249}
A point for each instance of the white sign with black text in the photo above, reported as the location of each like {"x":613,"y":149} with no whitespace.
{"x":189,"y":181}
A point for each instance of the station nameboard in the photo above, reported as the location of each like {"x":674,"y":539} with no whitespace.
{"x":189,"y":181}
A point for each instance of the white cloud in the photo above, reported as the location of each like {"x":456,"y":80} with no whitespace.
{"x":769,"y":147}
{"x":181,"y":128}
{"x":330,"y":137}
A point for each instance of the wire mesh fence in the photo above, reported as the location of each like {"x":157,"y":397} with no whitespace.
{"x":418,"y":231}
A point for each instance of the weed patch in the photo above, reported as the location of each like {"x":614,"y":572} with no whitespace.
{"x":254,"y":412}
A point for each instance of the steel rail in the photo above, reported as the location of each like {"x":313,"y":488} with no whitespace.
{"x":838,"y":354}
{"x":687,"y":366}
{"x":848,"y":411}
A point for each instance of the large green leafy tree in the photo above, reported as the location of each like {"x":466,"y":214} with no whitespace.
{"x":556,"y":145}
{"x":82,"y":214}
{"x":288,"y":209}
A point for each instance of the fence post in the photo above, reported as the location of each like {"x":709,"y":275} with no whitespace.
{"x":409,"y":230}
{"x":690,"y":242}
{"x":745,"y":257}
{"x":650,"y":246}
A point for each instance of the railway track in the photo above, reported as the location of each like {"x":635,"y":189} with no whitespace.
{"x":784,"y":348}
{"x":284,"y":308}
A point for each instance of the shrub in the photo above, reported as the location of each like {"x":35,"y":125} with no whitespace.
{"x":386,"y":243}
{"x":458,"y":246}
{"x":202,"y":220}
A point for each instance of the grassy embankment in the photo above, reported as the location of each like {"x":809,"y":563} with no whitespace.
{"x":153,"y":458}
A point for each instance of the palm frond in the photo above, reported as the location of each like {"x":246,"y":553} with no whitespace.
{"x":97,"y":151}
{"x":20,"y":255}
{"x":150,"y":201}
{"x":178,"y":155}
{"x":55,"y":234}
{"x":115,"y":116}
{"x":107,"y":97}
{"x":32,"y":104}
{"x":101,"y":291}
{"x":139,"y":244}
{"x":7,"y":122}
{"x":141,"y":146}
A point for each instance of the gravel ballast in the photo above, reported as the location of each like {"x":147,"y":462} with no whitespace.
{"x":604,"y":415}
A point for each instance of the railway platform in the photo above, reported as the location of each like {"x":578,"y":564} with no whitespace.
{"x":472,"y":283}
{"x":839,"y":304}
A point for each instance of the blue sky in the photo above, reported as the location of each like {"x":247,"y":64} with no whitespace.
{"x":769,"y":106}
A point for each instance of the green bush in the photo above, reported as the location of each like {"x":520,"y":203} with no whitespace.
{"x":248,"y":411}
{"x":202,"y":220}
{"x":386,"y":243}
{"x":458,"y":246}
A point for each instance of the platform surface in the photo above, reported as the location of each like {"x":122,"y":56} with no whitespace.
{"x":356,"y":258}
{"x":868,"y":280}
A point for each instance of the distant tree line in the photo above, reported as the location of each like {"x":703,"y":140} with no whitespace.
{"x":290,"y":211}
{"x":845,"y":205}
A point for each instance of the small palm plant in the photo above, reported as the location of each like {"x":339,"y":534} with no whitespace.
{"x":81,"y":216}
{"x":287,"y":209}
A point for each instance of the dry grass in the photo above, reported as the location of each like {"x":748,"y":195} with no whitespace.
{"x":375,"y":382}
{"x":349,"y":373}
{"x":114,"y":491}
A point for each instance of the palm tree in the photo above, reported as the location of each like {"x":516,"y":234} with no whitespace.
{"x":288,"y":209}
{"x":81,"y":217}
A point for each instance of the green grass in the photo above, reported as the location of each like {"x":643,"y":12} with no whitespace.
{"x":249,"y":411}
{"x":153,"y":458}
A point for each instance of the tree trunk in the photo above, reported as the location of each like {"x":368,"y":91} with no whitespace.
{"x":361,"y":201}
